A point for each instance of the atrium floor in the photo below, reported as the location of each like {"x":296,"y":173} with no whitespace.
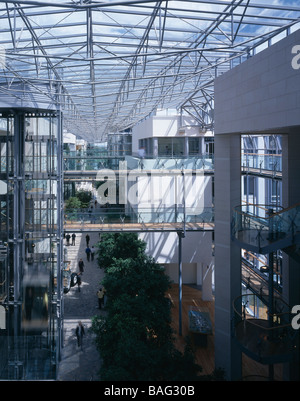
{"x":205,"y":356}
{"x":82,"y":365}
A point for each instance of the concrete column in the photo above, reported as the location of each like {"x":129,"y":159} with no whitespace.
{"x":199,"y":273}
{"x":59,"y":237}
{"x":155,"y":147}
{"x":186,"y":146}
{"x":290,"y":167}
{"x":291,"y":196}
{"x":207,"y":294}
{"x":227,"y":254}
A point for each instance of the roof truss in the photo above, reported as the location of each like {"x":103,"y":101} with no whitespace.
{"x":109,"y":64}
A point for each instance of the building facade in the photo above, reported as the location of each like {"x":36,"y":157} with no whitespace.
{"x":259,"y":97}
{"x":31,"y":300}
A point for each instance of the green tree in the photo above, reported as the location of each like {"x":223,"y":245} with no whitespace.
{"x":119,"y":246}
{"x":72,"y":203}
{"x":135,"y":339}
{"x":84,"y":197}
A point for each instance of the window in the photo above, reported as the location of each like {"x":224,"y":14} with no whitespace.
{"x":194,"y":146}
{"x":209,"y":146}
{"x":170,"y":147}
{"x":248,"y":185}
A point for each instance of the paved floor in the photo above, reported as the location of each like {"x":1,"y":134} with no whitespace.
{"x":81,"y":364}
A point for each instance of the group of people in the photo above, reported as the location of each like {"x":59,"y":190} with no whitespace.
{"x":90,"y":254}
{"x":101,"y":293}
{"x":68,"y":237}
{"x":79,"y":331}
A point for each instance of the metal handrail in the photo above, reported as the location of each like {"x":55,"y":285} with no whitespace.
{"x":253,"y":318}
{"x":276,"y":222}
{"x":83,"y":216}
{"x":262,"y":207}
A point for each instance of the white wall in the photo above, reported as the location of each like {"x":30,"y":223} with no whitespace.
{"x":196,"y":254}
{"x":189,"y":272}
{"x":163,"y":247}
{"x":69,"y":138}
{"x":142,"y":130}
{"x":166,"y":190}
{"x":163,"y":126}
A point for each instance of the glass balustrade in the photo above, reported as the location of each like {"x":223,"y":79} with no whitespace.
{"x":261,"y":161}
{"x":29,"y":357}
{"x":74,"y":161}
{"x":203,"y":162}
{"x":118,"y":216}
{"x":79,"y":161}
{"x":261,"y":225}
{"x":266,"y":338}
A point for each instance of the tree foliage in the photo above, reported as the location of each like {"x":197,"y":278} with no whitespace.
{"x":84,"y":196}
{"x":135,"y":339}
{"x":72,"y":203}
{"x":119,"y":246}
{"x":80,"y":200}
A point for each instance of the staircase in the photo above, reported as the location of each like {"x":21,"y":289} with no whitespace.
{"x":257,"y":283}
{"x":293,"y":251}
{"x":267,"y":337}
{"x":262,"y":229}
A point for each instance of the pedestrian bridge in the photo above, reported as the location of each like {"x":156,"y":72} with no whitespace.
{"x":161,"y":219}
{"x":84,"y":166}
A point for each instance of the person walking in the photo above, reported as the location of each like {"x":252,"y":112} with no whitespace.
{"x":104,"y":297}
{"x":79,"y":281}
{"x":81,"y":266}
{"x":73,"y":238}
{"x":79,"y":333}
{"x":100,"y":295}
{"x":87,"y":238}
{"x":92,"y":253}
{"x":88,"y":253}
{"x":68,"y":236}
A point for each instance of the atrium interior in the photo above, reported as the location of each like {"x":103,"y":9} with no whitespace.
{"x":182,"y":119}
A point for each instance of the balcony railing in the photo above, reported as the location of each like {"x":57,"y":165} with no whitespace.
{"x":264,"y":229}
{"x":163,"y":218}
{"x":77,"y":162}
{"x":262,"y":162}
{"x":266,"y":338}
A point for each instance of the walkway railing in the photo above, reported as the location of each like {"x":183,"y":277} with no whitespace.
{"x":261,"y":163}
{"x":264,"y":342}
{"x":92,"y":163}
{"x":257,"y":282}
{"x":263,"y":228}
{"x":175,"y":218}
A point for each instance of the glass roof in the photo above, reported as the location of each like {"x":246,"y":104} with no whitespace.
{"x":108,"y":65}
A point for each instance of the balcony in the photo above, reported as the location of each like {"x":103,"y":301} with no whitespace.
{"x":261,"y":164}
{"x":266,"y":338}
{"x":264,"y":229}
{"x":84,"y":163}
